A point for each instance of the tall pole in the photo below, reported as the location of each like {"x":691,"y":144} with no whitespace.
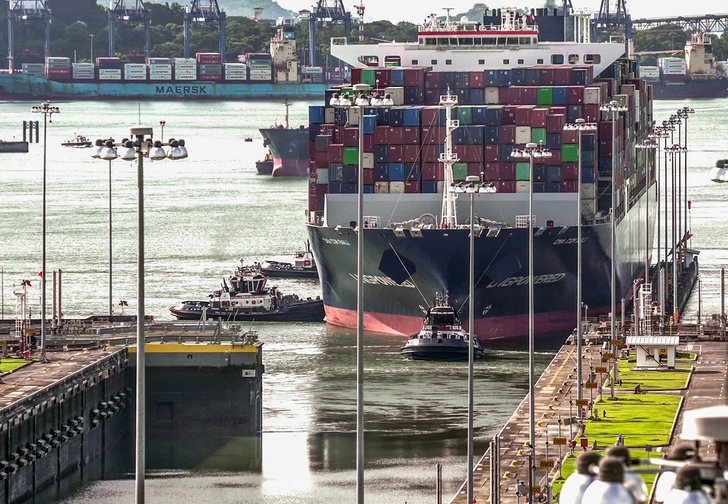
{"x":360,"y":319}
{"x":140,"y":465}
{"x":678,"y":176}
{"x":471,"y":346}
{"x":47,"y":110}
{"x":111,"y":297}
{"x":613,"y":281}
{"x":675,"y":303}
{"x":91,"y":36}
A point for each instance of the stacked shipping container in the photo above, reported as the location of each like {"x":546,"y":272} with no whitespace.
{"x":57,"y":68}
{"x":499,"y":111}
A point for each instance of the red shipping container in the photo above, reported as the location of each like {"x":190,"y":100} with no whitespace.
{"x":355,"y":75}
{"x":396,"y":154}
{"x":411,"y":153}
{"x":209,"y":77}
{"x":414,"y":77}
{"x":557,"y":110}
{"x":412,"y":186}
{"x":507,"y":171}
{"x":523,"y":115}
{"x":546,"y":76}
{"x":555,"y":158}
{"x":411,"y":135}
{"x":591,"y":113}
{"x":575,"y":95}
{"x":351,"y":137}
{"x":432,"y":171}
{"x":380,"y":135}
{"x":430,"y":117}
{"x":491,"y":172}
{"x":555,"y":123}
{"x":312,"y":150}
{"x":538,"y":117}
{"x":395,"y":136}
{"x":432,"y":96}
{"x":508,"y":134}
{"x":476,"y":169}
{"x":569,"y":136}
{"x":491,"y":153}
{"x":322,"y":159}
{"x":338,"y":136}
{"x":475,"y":80}
{"x":432,"y":80}
{"x":528,"y":95}
{"x":336,"y":153}
{"x":327,"y":129}
{"x":506,"y":186}
{"x":432,"y":135}
{"x":569,"y":171}
{"x":509,"y":115}
{"x":368,"y":143}
{"x":430,"y":153}
{"x":561,"y":76}
{"x":368,"y":175}
{"x":381,"y":75}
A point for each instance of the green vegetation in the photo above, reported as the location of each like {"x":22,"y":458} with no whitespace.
{"x":8,"y":364}
{"x":653,"y":380}
{"x":672,"y":38}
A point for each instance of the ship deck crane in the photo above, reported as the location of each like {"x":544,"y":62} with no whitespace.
{"x":124,"y":11}
{"x":22,"y":11}
{"x":326,"y":11}
{"x":202,"y":11}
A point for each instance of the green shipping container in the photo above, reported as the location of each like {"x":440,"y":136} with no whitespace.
{"x":465,"y":115}
{"x":351,"y":156}
{"x":545,"y":96}
{"x":538,"y":136}
{"x":459,"y":171}
{"x":367,"y":77}
{"x":570,"y":153}
{"x":522,"y":171}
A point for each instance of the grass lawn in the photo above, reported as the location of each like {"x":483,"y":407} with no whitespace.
{"x":8,"y":364}
{"x":653,"y":380}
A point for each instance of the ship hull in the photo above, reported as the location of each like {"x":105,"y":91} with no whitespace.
{"x":289,"y":148}
{"x":303,"y":311}
{"x":22,"y":87}
{"x":402,"y":273}
{"x":713,"y":88}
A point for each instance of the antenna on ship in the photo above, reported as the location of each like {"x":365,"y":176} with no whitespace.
{"x":448,"y":158}
{"x":447,"y":19}
{"x":286,"y":103}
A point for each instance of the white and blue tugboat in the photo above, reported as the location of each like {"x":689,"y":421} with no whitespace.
{"x":244,"y":296}
{"x":442,"y":336}
{"x":300,"y":264}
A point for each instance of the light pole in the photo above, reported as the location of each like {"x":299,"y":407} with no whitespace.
{"x":47,"y":110}
{"x":91,"y":36}
{"x":684,"y":113}
{"x":614,"y":108}
{"x":140,"y":146}
{"x":105,"y":150}
{"x":472,"y":186}
{"x":161,"y":124}
{"x":649,"y":145}
{"x":530,"y":152}
{"x":674,"y":152}
{"x":580,"y":126}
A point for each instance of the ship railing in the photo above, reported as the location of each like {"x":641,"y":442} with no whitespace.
{"x":471,"y":27}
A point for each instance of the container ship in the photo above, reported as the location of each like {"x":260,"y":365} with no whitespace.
{"x":695,"y":76}
{"x":253,"y":76}
{"x":517,"y":81}
{"x":288,"y":148}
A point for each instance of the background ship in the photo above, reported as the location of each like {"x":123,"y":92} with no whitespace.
{"x":409,"y":250}
{"x":696,"y":76}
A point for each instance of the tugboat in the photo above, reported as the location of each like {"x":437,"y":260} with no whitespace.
{"x":244,"y":296}
{"x":442,"y":336}
{"x":265,"y":165}
{"x":77,"y":141}
{"x":300,"y":264}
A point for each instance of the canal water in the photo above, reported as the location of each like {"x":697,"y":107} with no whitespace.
{"x":206,"y":213}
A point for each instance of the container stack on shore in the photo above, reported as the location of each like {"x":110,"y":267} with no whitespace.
{"x":499,"y":111}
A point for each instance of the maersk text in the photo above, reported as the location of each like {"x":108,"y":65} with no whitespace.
{"x":192,"y":89}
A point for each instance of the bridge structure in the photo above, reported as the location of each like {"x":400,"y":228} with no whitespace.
{"x":706,"y":23}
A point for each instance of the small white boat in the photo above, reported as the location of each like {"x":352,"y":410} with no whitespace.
{"x":300,"y":264}
{"x":441,"y":337}
{"x":720,"y":172}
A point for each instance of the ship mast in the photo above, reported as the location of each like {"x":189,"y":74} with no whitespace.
{"x":286,"y":103}
{"x":449,"y":217}
{"x":360,"y":12}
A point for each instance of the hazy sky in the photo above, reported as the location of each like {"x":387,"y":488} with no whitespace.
{"x":409,"y":10}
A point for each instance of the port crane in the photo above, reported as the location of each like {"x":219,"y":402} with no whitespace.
{"x":609,"y":21}
{"x":128,"y":11}
{"x":22,"y":11}
{"x":203,"y":11}
{"x":326,"y":11}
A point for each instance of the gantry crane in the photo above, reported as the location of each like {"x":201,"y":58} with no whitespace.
{"x":360,"y":12}
{"x":326,"y":11}
{"x":203,"y":11}
{"x":130,"y":11}
{"x":22,"y":11}
{"x":610,"y":21}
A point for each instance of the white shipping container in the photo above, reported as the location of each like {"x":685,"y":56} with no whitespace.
{"x":110,"y":74}
{"x":649,"y":72}
{"x":322,"y":175}
{"x":396,"y":94}
{"x":396,"y":187}
{"x":367,"y":160}
{"x":492,"y":95}
{"x":592,"y":96}
{"x":523,"y":134}
{"x":523,"y":186}
{"x":329,"y":117}
{"x":185,"y":77}
{"x":178,"y":61}
{"x":587,"y":190}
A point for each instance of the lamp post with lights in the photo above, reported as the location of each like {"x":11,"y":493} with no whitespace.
{"x":530,"y":152}
{"x":47,"y":110}
{"x":138,"y":147}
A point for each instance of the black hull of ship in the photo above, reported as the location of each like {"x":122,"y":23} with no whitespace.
{"x":289,"y":148}
{"x":289,"y":272}
{"x":403,"y":273}
{"x":305,"y":311}
{"x":713,"y":88}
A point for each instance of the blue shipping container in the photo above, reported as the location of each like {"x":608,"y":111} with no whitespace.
{"x":587,"y":175}
{"x":396,"y":117}
{"x":396,"y":171}
{"x":412,"y":116}
{"x":350,"y":174}
{"x":381,"y":153}
{"x":316,"y":114}
{"x":552,"y":187}
{"x":412,"y":171}
{"x":381,"y":171}
{"x":492,"y":134}
{"x":560,"y":95}
{"x":539,"y":172}
{"x":429,"y":186}
{"x":553,"y":174}
{"x":370,"y":121}
{"x":396,"y":77}
{"x":553,"y":141}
